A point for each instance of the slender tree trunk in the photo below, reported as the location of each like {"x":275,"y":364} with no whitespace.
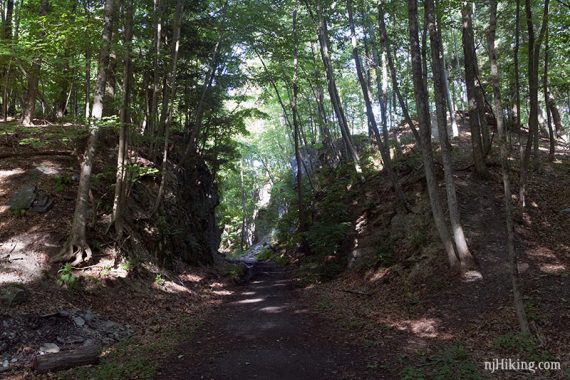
{"x":333,"y":91}
{"x":8,"y":41}
{"x":34,"y":78}
{"x":296,"y":128}
{"x":533,"y":59}
{"x":517,"y":105}
{"x":512,"y":256}
{"x":552,"y":139}
{"x":196,"y":125}
{"x":122,"y":155}
{"x":425,"y":135}
{"x":385,"y":42}
{"x":470,"y":79}
{"x":77,"y":246}
{"x":155,"y":94}
{"x":367,"y":94}
{"x":166,"y":117}
{"x":439,"y":85}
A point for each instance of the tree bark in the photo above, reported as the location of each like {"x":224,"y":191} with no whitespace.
{"x":367,"y":94}
{"x":552,"y":139}
{"x":122,"y":155}
{"x":76,"y":246}
{"x":470,"y":79}
{"x":462,"y":250}
{"x":385,"y":42}
{"x":333,"y":91}
{"x":166,"y":117}
{"x":425,"y":135}
{"x":34,"y":78}
{"x":67,"y":359}
{"x":533,"y":59}
{"x":511,"y":253}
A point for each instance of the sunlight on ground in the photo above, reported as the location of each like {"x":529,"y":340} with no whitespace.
{"x":423,"y":328}
{"x":273,"y":309}
{"x":553,"y":268}
{"x":18,"y":262}
{"x":4,"y":175}
{"x":250,"y":300}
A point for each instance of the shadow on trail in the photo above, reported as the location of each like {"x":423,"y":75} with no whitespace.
{"x":263,"y":332}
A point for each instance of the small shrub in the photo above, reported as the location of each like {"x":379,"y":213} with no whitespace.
{"x":158,"y":280}
{"x":235,"y":271}
{"x":65,"y":276}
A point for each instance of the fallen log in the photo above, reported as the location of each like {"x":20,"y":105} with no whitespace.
{"x":67,"y":359}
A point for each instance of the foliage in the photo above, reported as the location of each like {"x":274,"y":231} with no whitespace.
{"x":522,"y":344}
{"x":235,"y":271}
{"x":65,"y":276}
{"x":450,"y":363}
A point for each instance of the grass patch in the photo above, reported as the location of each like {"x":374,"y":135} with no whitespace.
{"x":523,"y":345}
{"x":450,"y":363}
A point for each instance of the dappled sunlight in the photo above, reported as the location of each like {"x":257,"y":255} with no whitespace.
{"x":552,"y":268}
{"x":250,"y":300}
{"x":423,"y":328}
{"x":21,"y":263}
{"x":273,"y":309}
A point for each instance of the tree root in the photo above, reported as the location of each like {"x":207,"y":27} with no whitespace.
{"x":79,"y":253}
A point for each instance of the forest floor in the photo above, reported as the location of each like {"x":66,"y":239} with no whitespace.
{"x":432,"y":324}
{"x":412,"y":320}
{"x":265,"y":331}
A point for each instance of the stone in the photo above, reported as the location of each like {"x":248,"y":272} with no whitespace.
{"x":49,"y":348}
{"x":12,"y":295}
{"x":566,"y":210}
{"x":42,"y":203}
{"x":88,"y":316}
{"x":29,"y":197}
{"x":79,"y":322}
{"x":22,"y":198}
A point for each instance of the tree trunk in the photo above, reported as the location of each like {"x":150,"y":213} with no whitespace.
{"x":166,"y":117}
{"x":76,"y":246}
{"x":122,"y":155}
{"x":153,"y":114}
{"x":512,"y":256}
{"x":533,"y":58}
{"x":385,"y":42}
{"x":333,"y":91}
{"x":425,"y":135}
{"x":296,"y":134}
{"x":461,"y":247}
{"x":8,"y":42}
{"x":367,"y":94}
{"x":470,"y":79}
{"x":33,"y":79}
{"x":552,"y":139}
{"x":517,"y":105}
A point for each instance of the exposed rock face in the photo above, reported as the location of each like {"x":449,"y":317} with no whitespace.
{"x":199,"y":194}
{"x":184,"y":228}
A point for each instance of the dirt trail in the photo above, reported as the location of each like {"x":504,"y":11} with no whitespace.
{"x":264,"y":332}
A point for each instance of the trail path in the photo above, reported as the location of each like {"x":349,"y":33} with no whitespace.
{"x":264,"y":332}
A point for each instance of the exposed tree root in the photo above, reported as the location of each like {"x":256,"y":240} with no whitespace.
{"x":79,"y":253}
